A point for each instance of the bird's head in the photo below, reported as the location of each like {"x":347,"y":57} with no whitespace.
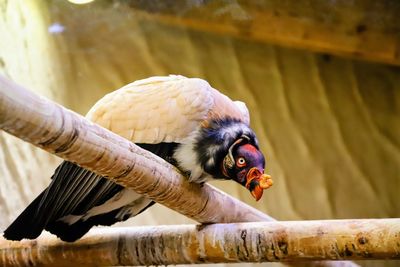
{"x":245,"y":163}
{"x":228,"y":149}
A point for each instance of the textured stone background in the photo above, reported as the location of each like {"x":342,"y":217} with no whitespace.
{"x":329,"y":126}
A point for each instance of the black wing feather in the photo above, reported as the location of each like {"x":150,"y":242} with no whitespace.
{"x":25,"y":226}
{"x":74,"y":191}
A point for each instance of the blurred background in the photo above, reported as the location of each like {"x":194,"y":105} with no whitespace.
{"x":321,"y":79}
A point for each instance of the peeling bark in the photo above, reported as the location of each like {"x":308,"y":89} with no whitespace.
{"x":190,"y":244}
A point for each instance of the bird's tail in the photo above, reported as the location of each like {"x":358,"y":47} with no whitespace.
{"x":27,"y":224}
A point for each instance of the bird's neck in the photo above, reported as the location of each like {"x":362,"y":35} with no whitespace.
{"x":203,"y":151}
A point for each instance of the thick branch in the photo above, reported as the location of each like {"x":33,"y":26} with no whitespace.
{"x":188,"y":244}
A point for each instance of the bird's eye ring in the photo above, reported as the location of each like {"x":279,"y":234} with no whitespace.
{"x":241,"y":162}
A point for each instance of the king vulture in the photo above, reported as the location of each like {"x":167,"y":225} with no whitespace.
{"x":182,"y":120}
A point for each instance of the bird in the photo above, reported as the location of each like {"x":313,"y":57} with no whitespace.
{"x":183,"y":120}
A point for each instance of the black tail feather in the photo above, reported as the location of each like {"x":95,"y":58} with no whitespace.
{"x":72,"y":232}
{"x":27,"y":224}
{"x":74,"y":191}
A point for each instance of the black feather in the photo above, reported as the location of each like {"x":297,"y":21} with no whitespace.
{"x":23,"y":227}
{"x":74,"y":191}
{"x":73,"y":232}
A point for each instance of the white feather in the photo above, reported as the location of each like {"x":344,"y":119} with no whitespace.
{"x":187,"y":160}
{"x":134,"y":208}
{"x":245,"y":112}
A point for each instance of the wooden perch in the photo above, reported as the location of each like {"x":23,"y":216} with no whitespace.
{"x":189,"y":244}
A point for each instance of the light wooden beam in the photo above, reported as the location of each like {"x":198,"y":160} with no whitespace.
{"x":366,"y":30}
{"x":189,"y":244}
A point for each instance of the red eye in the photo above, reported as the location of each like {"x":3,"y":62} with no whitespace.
{"x":240,"y":162}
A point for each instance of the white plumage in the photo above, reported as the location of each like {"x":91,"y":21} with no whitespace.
{"x":174,"y":107}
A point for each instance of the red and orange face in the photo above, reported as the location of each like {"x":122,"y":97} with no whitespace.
{"x":248,"y":169}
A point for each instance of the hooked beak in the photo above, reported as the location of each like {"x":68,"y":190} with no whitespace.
{"x":256,"y":182}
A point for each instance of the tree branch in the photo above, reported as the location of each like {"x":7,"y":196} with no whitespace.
{"x":190,"y":244}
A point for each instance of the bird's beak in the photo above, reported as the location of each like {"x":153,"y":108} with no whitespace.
{"x":257,"y":181}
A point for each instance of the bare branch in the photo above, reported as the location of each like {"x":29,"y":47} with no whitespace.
{"x":190,"y":244}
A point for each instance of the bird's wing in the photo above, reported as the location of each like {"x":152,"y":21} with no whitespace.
{"x":73,"y":191}
{"x":155,"y":113}
{"x":77,"y":199}
{"x":163,"y":109}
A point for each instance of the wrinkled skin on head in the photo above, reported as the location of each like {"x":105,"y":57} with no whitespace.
{"x":248,"y":169}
